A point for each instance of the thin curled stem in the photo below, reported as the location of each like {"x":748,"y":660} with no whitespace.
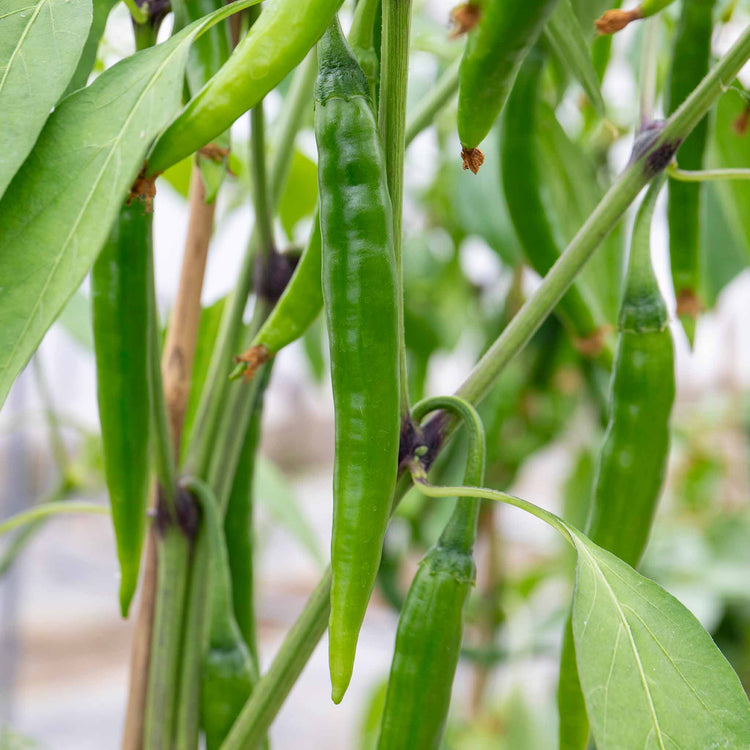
{"x":706,"y":175}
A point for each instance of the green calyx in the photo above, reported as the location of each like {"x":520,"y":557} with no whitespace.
{"x":339,"y":74}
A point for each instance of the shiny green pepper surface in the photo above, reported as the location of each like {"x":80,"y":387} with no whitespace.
{"x":360,"y":297}
{"x":119,"y":294}
{"x":276,"y":43}
{"x":494,"y":52}
{"x":689,"y":65}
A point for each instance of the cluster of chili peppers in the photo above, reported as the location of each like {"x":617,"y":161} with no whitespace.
{"x":349,"y":268}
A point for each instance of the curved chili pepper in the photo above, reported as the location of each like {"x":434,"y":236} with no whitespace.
{"x":689,"y":65}
{"x":636,"y":444}
{"x":293,"y":314}
{"x":119,"y":294}
{"x":523,"y":196}
{"x":228,"y":674}
{"x":360,"y":293}
{"x":494,"y":52}
{"x":430,"y":627}
{"x":277,"y":42}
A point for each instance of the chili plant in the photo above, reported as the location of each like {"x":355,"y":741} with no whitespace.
{"x":84,"y":153}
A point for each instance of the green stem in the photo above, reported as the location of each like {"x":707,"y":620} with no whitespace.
{"x":139,"y":15}
{"x":481,"y":493}
{"x":441,"y":93}
{"x":392,"y":122}
{"x":172,"y":557}
{"x":160,"y":432}
{"x":50,"y":509}
{"x":706,"y":175}
{"x":261,"y":198}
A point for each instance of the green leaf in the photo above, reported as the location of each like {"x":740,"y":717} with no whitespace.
{"x":59,"y":207}
{"x":87,"y":61}
{"x":278,"y":495}
{"x":40,"y":43}
{"x":651,"y":675}
{"x":566,"y":37}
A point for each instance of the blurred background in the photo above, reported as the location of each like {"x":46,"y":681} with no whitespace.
{"x":64,"y":649}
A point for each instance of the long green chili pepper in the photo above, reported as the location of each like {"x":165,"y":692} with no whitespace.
{"x":275,"y":44}
{"x":430,"y":628}
{"x":359,"y":289}
{"x":523,"y":195}
{"x":119,"y":293}
{"x":228,"y":673}
{"x":238,"y":524}
{"x":636,"y":444}
{"x":494,"y":52}
{"x":297,"y":308}
{"x":689,"y":65}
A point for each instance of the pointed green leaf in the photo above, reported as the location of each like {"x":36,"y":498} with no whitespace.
{"x":566,"y":37}
{"x":40,"y":43}
{"x":651,"y":675}
{"x":57,"y":211}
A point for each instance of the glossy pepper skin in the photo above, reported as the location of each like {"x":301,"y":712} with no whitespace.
{"x":634,"y":455}
{"x":523,"y":196}
{"x":294,"y":313}
{"x":636,"y":445}
{"x":430,"y":628}
{"x":276,"y":43}
{"x":239,"y":526}
{"x":360,"y":299}
{"x":495,"y":49}
{"x":689,"y":65}
{"x":227,"y":674}
{"x":119,"y":293}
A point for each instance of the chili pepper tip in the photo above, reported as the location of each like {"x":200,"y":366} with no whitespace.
{"x":464,"y":17}
{"x":614,"y":20}
{"x":473,"y":158}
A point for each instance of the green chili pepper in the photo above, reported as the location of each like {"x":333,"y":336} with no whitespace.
{"x":275,"y":44}
{"x":523,"y":196}
{"x":430,"y":628}
{"x":360,"y":293}
{"x":689,"y":65}
{"x":119,"y":293}
{"x":238,"y":524}
{"x":228,"y":674}
{"x":293,"y":314}
{"x":636,"y":445}
{"x":494,"y":52}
